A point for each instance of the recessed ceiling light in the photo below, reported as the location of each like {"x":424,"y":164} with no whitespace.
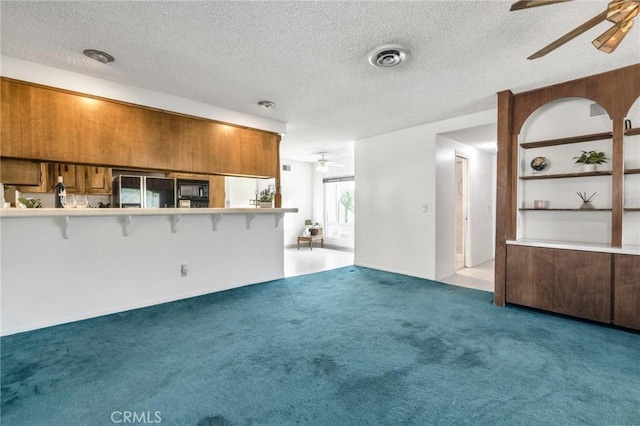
{"x":266,"y":104}
{"x":99,"y":56}
{"x":388,"y":56}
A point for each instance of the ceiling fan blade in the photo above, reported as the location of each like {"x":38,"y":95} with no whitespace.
{"x":621,"y":11}
{"x":570,"y":35}
{"x":526,"y":4}
{"x":610,"y":39}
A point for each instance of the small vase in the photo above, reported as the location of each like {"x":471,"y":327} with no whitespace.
{"x":586,"y":205}
{"x":589,"y":167}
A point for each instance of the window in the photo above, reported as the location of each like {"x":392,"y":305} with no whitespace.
{"x":339,"y":207}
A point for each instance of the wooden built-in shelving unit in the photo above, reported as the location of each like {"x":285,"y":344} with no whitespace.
{"x":588,"y":279}
{"x":564,"y":210}
{"x":568,"y":175}
{"x":569,"y":140}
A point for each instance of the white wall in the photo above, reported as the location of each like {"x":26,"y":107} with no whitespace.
{"x":481,"y":183}
{"x":297,"y":191}
{"x":48,"y":280}
{"x":631,"y":220}
{"x":396,"y":176}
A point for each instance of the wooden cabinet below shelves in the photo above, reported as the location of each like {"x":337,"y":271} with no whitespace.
{"x":582,"y":284}
{"x":530,"y":277}
{"x":570,"y":282}
{"x":626,"y":310}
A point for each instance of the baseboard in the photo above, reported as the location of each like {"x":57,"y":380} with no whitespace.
{"x":327,"y":246}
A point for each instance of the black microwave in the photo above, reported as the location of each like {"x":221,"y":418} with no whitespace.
{"x":193,"y":189}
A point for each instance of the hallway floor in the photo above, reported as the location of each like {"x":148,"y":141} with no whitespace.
{"x":479,"y":278}
{"x":305,"y":261}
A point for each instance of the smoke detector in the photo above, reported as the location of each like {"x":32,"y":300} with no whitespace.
{"x":388,"y":56}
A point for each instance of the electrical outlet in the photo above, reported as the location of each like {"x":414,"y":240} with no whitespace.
{"x":183,"y":270}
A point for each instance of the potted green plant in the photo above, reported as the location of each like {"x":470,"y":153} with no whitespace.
{"x":29,"y":203}
{"x":590,"y":159}
{"x":265,"y":198}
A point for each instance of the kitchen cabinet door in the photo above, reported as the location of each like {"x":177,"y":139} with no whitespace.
{"x":626,"y":308}
{"x":216,"y":192}
{"x":97,"y":180}
{"x":582,"y":284}
{"x":72,"y":176}
{"x":530,"y":276}
{"x":45,"y":184}
{"x":20,"y":172}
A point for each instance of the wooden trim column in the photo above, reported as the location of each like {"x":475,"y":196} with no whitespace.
{"x":617,"y":183}
{"x":505,"y":187}
{"x":278,"y":197}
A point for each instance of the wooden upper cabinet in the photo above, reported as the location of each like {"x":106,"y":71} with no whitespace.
{"x":20,"y":172}
{"x":79,"y":179}
{"x":217,"y":194}
{"x":53,"y":125}
{"x":72,"y":176}
{"x":97,"y":180}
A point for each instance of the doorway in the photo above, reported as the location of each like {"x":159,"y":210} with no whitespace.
{"x":462,"y":211}
{"x":339,"y":211}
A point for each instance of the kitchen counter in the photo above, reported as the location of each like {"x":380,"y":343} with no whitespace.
{"x":63,"y":265}
{"x":14,"y":212}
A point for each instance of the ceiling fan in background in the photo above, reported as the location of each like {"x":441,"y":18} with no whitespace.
{"x":619,"y":12}
{"x":322,"y":165}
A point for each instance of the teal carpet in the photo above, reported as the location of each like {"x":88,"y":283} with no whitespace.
{"x":353,"y":346}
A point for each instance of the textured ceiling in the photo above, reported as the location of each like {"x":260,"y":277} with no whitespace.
{"x":310,"y":57}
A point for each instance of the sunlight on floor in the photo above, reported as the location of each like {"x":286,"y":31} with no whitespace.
{"x":305,"y":261}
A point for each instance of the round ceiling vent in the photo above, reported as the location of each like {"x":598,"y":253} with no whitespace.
{"x":388,"y":56}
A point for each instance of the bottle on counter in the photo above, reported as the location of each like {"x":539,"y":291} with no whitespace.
{"x":59,"y":192}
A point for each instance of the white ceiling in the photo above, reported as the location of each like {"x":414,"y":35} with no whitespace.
{"x":310,"y":57}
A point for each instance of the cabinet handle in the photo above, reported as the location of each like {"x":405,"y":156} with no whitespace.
{"x":97,"y":170}
{"x":66,"y":167}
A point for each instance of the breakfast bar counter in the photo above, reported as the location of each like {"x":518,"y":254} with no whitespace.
{"x":63,"y":265}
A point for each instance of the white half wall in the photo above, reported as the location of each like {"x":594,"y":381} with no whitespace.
{"x":395,"y":180}
{"x":481,"y":218}
{"x":49,"y":280}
